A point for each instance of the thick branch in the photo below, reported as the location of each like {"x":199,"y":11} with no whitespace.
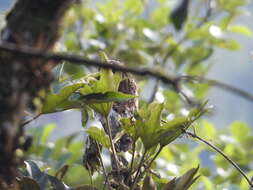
{"x":36,"y":24}
{"x":80,"y":60}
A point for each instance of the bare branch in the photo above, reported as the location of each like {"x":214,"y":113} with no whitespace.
{"x":143,"y":71}
{"x":80,"y":60}
{"x":220,"y":85}
{"x":221,"y":153}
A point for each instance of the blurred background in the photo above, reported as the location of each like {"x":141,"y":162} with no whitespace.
{"x":230,"y":67}
{"x":233,"y":68}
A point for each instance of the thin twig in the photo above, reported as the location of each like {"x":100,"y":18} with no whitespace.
{"x":221,"y":153}
{"x":132,"y":159}
{"x":219,"y":84}
{"x":103,"y":168}
{"x":138,"y":170}
{"x":30,"y":120}
{"x":80,"y":60}
{"x":114,"y":153}
{"x":152,"y":160}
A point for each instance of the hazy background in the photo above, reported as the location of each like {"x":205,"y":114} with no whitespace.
{"x":234,"y":68}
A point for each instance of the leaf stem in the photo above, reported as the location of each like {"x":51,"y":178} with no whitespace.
{"x":132,"y":159}
{"x":103,"y":168}
{"x":114,"y":154}
{"x":30,"y":120}
{"x":138,"y":170}
{"x":152,"y":160}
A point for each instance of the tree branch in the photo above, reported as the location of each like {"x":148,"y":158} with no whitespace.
{"x":220,"y":85}
{"x":221,"y":153}
{"x":35,"y":24}
{"x":80,"y":60}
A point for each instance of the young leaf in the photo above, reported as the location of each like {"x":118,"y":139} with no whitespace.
{"x":172,"y":130}
{"x":186,"y":180}
{"x":240,"y":29}
{"x":102,"y":89}
{"x":99,"y":135}
{"x":149,"y":125}
{"x":60,"y":102}
{"x":129,"y":126}
{"x":183,"y":182}
{"x":85,"y":116}
{"x":46,"y":132}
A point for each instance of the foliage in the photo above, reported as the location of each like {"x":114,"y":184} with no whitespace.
{"x":169,"y":39}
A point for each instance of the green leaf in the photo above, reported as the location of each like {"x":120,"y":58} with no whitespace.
{"x":46,"y":132}
{"x":183,"y":182}
{"x":209,"y":185}
{"x":240,"y":29}
{"x":60,"y":102}
{"x":206,"y":130}
{"x":99,"y":135}
{"x":240,"y":130}
{"x":102,"y":88}
{"x":149,"y":125}
{"x":229,"y":44}
{"x":85,"y":116}
{"x":172,"y":130}
{"x":224,"y":23}
{"x":187,"y":179}
{"x":106,"y":97}
{"x":129,"y":126}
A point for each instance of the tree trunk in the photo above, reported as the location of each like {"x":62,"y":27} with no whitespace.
{"x":34,"y":23}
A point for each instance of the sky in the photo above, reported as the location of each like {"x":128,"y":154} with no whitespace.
{"x":234,"y":68}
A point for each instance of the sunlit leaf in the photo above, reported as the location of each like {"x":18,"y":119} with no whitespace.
{"x":59,"y":101}
{"x":240,"y":130}
{"x":183,"y":182}
{"x":99,"y":135}
{"x":241,"y":29}
{"x":172,"y":130}
{"x":46,"y":132}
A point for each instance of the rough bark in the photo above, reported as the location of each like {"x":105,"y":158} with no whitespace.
{"x":35,"y":23}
